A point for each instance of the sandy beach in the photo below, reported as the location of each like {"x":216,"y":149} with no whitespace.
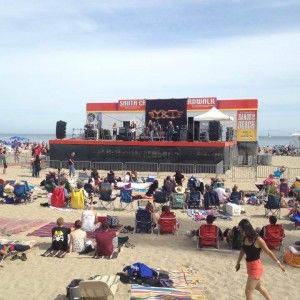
{"x":47,"y":278}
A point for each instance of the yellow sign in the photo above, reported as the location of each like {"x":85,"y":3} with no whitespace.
{"x":246,"y":135}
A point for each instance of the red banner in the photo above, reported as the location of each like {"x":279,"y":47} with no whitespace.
{"x":201,"y":103}
{"x":132,"y":104}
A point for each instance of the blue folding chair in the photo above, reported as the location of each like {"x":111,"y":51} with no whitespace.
{"x":143,"y":221}
{"x":194,"y":200}
{"x":160,"y":197}
{"x":21,"y":192}
{"x":126,"y":199}
{"x":273,"y":206}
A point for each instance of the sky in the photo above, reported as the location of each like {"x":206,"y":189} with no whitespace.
{"x":55,"y":56}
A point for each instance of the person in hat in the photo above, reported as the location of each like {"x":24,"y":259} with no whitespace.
{"x":296,"y":184}
{"x":179,"y":189}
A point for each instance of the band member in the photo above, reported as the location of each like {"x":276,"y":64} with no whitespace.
{"x":170,"y":131}
{"x":132,"y":129}
{"x":114,"y":130}
{"x":151,"y":129}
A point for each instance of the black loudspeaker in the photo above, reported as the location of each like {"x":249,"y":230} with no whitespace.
{"x":183,"y":135}
{"x":61,"y":129}
{"x":196,"y":130}
{"x":190,"y":132}
{"x":126,"y":124}
{"x":122,"y":130}
{"x":203,"y":137}
{"x":215,"y":131}
{"x":229,"y":134}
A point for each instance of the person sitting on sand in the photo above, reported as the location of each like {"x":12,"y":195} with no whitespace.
{"x":283,"y":187}
{"x":269,"y":180}
{"x":272,"y":221}
{"x":78,"y":240}
{"x":233,"y":238}
{"x":89,"y":219}
{"x":235,"y":196}
{"x":152,"y":188}
{"x":107,"y":242}
{"x":59,"y":245}
{"x":211,"y":197}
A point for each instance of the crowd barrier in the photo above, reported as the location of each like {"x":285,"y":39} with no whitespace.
{"x":230,"y":173}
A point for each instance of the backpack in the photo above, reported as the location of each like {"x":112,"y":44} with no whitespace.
{"x":140,"y":271}
{"x":112,"y":221}
{"x":237,"y":239}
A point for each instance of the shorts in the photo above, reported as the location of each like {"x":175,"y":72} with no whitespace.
{"x":254,"y":269}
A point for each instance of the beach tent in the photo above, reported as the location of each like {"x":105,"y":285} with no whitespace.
{"x":213,"y":115}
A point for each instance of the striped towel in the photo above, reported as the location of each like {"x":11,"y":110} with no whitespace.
{"x":186,"y":285}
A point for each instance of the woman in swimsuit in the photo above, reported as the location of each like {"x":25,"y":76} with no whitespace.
{"x":252,"y":246}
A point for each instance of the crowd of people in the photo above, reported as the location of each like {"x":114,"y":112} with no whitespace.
{"x":286,"y":150}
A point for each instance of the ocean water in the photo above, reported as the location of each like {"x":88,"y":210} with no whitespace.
{"x":262,"y":140}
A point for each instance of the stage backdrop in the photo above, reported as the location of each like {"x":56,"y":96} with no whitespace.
{"x":165,"y":110}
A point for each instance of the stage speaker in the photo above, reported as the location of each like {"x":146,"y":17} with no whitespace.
{"x":190,"y":132}
{"x":215,"y":131}
{"x":126,"y":125}
{"x":122,"y":130}
{"x":229,"y":134}
{"x":203,"y":137}
{"x":61,"y":129}
{"x":196,"y":130}
{"x":183,"y":135}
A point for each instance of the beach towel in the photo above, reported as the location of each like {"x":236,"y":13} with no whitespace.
{"x":199,"y":215}
{"x":45,"y":231}
{"x":187,"y":285}
{"x":9,"y":226}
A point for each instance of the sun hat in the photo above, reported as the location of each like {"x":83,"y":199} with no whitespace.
{"x":179,"y":189}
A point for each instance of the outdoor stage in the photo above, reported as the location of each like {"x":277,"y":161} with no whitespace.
{"x":181,"y":152}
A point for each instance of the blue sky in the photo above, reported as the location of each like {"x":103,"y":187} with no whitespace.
{"x":57,"y":55}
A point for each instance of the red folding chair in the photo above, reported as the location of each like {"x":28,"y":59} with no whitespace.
{"x":58,"y":197}
{"x":167,"y":223}
{"x":273,"y":235}
{"x":208,"y":236}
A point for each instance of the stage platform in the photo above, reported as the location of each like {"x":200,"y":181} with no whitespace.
{"x":144,"y":151}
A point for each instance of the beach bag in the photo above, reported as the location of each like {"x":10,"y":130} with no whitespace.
{"x":112,"y":221}
{"x":140,"y":271}
{"x":253,"y":200}
{"x":237,"y":239}
{"x":73,"y":291}
{"x":295,"y":218}
{"x":9,"y":200}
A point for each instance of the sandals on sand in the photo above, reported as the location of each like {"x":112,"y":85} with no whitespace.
{"x":129,"y":245}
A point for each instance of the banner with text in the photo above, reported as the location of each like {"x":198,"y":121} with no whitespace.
{"x":165,"y":110}
{"x":246,"y":126}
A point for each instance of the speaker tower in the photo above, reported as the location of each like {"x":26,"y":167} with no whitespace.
{"x":61,"y":129}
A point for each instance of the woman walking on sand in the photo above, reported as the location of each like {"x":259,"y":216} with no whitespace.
{"x":252,"y":246}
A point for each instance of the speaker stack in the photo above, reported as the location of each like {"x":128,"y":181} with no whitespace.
{"x":61,"y":129}
{"x":229,"y":134}
{"x":190,"y":129}
{"x":196,"y":130}
{"x":215,"y":131}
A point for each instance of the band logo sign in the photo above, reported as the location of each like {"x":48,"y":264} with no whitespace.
{"x":166,"y":110}
{"x":165,"y":114}
{"x":132,"y":104}
{"x":246,"y":125}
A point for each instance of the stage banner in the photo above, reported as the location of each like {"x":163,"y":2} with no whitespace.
{"x":165,"y":110}
{"x":246,"y":126}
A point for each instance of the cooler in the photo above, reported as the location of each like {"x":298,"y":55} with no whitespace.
{"x":233,"y":209}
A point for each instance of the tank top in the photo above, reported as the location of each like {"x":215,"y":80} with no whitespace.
{"x":252,"y":252}
{"x":88,"y":220}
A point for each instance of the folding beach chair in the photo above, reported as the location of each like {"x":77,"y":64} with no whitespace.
{"x":178,"y":200}
{"x":160,"y":197}
{"x":77,"y":198}
{"x":100,"y":288}
{"x":208,"y":236}
{"x":1,"y":191}
{"x":167,"y":223}
{"x":143,"y":221}
{"x":106,"y":200}
{"x":58,"y":197}
{"x":194,"y":199}
{"x":21,"y":192}
{"x":273,"y":235}
{"x":126,"y":198}
{"x":273,"y":206}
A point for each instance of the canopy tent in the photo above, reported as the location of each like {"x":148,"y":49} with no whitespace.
{"x":213,"y":115}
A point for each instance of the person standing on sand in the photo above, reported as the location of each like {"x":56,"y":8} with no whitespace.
{"x":72,"y":165}
{"x":252,"y":245}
